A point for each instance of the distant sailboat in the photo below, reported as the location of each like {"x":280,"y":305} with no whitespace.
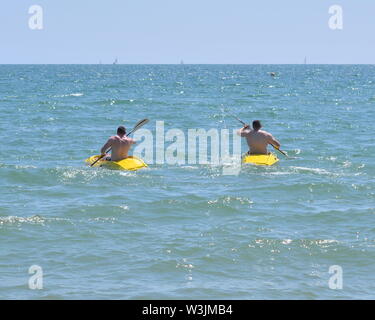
{"x":182,"y":62}
{"x":116,"y":61}
{"x":305,"y":60}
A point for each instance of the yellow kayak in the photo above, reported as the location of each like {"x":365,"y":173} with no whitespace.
{"x":261,"y":159}
{"x":130,"y":163}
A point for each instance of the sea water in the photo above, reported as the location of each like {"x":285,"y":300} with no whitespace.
{"x":301,"y":229}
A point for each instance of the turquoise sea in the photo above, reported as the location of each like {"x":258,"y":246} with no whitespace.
{"x":187,"y":231}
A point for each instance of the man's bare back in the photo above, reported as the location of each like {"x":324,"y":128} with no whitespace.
{"x":258,"y":140}
{"x":120,"y":147}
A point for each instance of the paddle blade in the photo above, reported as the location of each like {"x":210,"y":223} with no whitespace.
{"x":138,"y":125}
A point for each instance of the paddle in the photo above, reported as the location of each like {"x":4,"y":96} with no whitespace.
{"x":136,"y":127}
{"x":244,"y":124}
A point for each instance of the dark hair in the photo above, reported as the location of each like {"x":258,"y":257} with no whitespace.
{"x":121,"y":130}
{"x":257,"y":125}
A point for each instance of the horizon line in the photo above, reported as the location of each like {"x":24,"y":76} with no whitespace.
{"x":186,"y":64}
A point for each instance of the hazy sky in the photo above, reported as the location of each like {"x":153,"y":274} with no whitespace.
{"x":196,"y":31}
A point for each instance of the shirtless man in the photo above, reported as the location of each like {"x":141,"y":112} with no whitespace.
{"x":120,"y":145}
{"x":257,"y":139}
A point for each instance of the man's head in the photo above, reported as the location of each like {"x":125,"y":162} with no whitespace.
{"x":257,"y":125}
{"x":121,"y":130}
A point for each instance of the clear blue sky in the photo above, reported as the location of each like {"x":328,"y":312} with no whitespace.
{"x":196,"y":31}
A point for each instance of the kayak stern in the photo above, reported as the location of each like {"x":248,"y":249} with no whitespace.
{"x":131,"y":163}
{"x":261,"y":159}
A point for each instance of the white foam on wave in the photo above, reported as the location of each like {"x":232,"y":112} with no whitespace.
{"x":14,"y":219}
{"x":191,"y":167}
{"x":346,"y":164}
{"x":303,"y":242}
{"x":327,"y":241}
{"x":127,"y":173}
{"x":36,"y":219}
{"x":229,"y":200}
{"x":286,"y":241}
{"x":313,"y":170}
{"x":103,"y":219}
{"x":69,"y":95}
{"x":279,"y":173}
{"x":73,"y":173}
{"x":25,"y":167}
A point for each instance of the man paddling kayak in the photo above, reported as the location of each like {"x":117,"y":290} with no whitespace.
{"x":120,"y":145}
{"x":257,"y":139}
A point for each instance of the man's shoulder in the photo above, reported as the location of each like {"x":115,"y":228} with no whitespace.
{"x":265,"y":133}
{"x":126,"y":139}
{"x":113,"y":138}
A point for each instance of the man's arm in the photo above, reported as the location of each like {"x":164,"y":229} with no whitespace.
{"x":242,"y":132}
{"x":106,"y":146}
{"x":273,"y":141}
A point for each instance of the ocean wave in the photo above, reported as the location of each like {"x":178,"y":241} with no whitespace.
{"x":35,"y":219}
{"x":17,"y":166}
{"x":318,"y":171}
{"x":111,"y":102}
{"x":227,"y":201}
{"x":304,"y":243}
{"x":69,"y":95}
